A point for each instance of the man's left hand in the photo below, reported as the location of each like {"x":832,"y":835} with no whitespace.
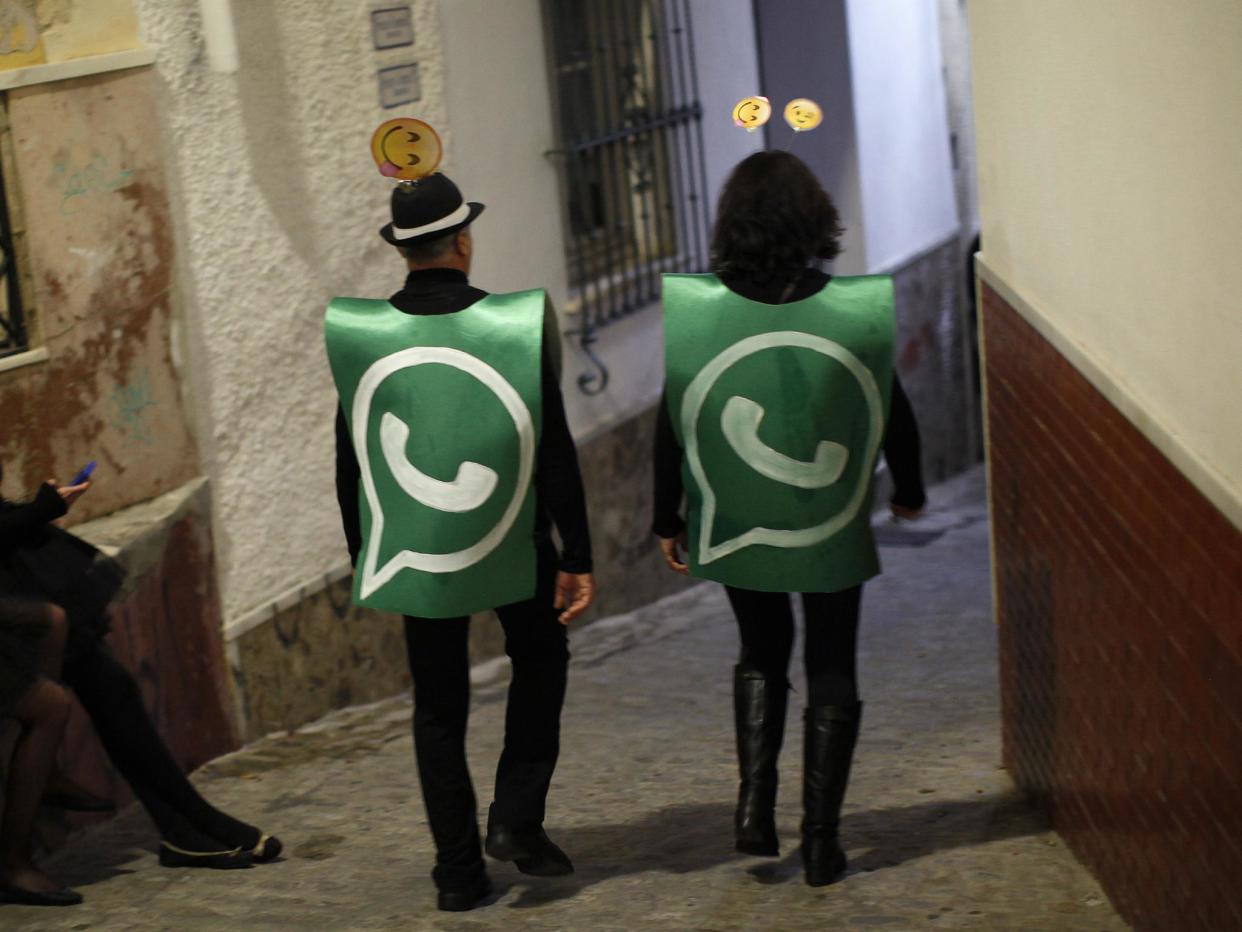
{"x":574,"y":593}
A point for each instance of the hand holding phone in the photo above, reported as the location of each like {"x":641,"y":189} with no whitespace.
{"x":83,"y":475}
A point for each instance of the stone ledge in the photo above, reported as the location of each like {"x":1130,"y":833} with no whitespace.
{"x":138,"y":536}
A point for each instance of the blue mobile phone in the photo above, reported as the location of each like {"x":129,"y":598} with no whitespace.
{"x":84,"y":474}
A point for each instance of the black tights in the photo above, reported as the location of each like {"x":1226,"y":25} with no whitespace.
{"x":111,"y":697}
{"x":766,"y":625}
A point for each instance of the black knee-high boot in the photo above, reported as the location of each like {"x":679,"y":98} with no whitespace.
{"x":759,"y":704}
{"x":828,"y":750}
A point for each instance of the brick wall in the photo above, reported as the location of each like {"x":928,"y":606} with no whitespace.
{"x":1119,"y":600}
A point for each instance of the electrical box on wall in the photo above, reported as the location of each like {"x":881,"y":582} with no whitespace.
{"x":392,"y":38}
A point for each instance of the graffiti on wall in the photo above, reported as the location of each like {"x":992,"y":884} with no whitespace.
{"x":78,"y":181}
{"x":130,"y":402}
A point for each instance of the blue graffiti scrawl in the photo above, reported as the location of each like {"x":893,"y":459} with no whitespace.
{"x":131,"y":402}
{"x":98,"y":176}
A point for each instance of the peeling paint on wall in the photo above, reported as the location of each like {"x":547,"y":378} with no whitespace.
{"x":93,"y":196}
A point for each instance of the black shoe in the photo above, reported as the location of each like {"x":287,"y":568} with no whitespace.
{"x":823,"y":861}
{"x":231,"y":859}
{"x":20,"y":897}
{"x":532,"y":851}
{"x":268,"y":849}
{"x":460,"y":899}
{"x":759,"y":705}
{"x":828,"y":751}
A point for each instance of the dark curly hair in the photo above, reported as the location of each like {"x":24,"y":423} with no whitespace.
{"x":774,"y":218}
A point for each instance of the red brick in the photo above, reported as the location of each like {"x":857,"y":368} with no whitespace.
{"x":1136,"y":649}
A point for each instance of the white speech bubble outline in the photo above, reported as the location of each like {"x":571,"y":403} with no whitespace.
{"x":692,"y":404}
{"x":372,"y":578}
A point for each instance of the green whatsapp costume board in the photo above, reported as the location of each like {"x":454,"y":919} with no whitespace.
{"x":444,"y":413}
{"x":780,"y":410}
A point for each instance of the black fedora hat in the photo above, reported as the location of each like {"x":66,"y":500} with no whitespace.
{"x":427,"y":209}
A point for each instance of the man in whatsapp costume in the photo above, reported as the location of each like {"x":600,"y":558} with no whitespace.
{"x":453,"y":461}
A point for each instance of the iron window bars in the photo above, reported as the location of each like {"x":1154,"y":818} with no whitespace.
{"x":12,"y":320}
{"x":634,"y":170}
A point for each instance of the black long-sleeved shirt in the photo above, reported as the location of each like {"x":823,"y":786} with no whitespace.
{"x":559,"y":498}
{"x":901,"y":440}
{"x":20,"y":521}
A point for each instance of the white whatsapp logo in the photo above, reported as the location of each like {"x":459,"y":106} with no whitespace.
{"x":739,"y":421}
{"x":473,"y":485}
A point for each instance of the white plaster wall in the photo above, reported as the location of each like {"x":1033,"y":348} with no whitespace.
{"x":1108,"y":136}
{"x":906,"y":169}
{"x":725,"y":47}
{"x":498,"y":101}
{"x":277,"y":204}
{"x":805,"y":52}
{"x":497,"y":97}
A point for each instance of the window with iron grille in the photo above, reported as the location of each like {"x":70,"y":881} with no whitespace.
{"x":13,"y":330}
{"x":631,"y":150}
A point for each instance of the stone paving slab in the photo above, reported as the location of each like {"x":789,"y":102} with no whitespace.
{"x":937,"y":836}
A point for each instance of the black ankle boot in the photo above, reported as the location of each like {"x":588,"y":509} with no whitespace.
{"x":759,"y":714}
{"x":828,"y":750}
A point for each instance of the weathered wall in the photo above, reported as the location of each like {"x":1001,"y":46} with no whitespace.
{"x":934,"y":361}
{"x":94,"y":203}
{"x":320,"y":654}
{"x":36,"y":31}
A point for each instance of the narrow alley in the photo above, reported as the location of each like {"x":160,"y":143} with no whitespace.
{"x":936,"y":833}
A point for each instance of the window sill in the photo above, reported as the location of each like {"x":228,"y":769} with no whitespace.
{"x":76,"y":68}
{"x":26,"y":358}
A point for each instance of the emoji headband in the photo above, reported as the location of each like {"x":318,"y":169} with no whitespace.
{"x":801,"y":113}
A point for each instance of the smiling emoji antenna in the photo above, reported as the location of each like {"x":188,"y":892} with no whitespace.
{"x":803,"y":114}
{"x":750,"y":113}
{"x":406,"y":149}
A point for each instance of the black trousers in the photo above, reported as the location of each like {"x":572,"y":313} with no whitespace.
{"x":766,"y":625}
{"x":537,"y":645}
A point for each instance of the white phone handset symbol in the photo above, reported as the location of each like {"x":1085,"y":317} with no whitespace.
{"x":472,"y":487}
{"x":740,"y":422}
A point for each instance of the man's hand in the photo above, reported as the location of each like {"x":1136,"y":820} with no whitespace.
{"x":70,"y":493}
{"x":671,"y":548}
{"x":574,"y":593}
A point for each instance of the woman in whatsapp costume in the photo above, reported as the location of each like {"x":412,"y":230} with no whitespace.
{"x":779,"y":380}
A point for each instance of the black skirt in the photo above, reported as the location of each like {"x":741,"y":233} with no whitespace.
{"x":55,"y":566}
{"x":23,"y":633}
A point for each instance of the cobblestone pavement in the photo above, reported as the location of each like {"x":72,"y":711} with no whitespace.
{"x":936,"y":835}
